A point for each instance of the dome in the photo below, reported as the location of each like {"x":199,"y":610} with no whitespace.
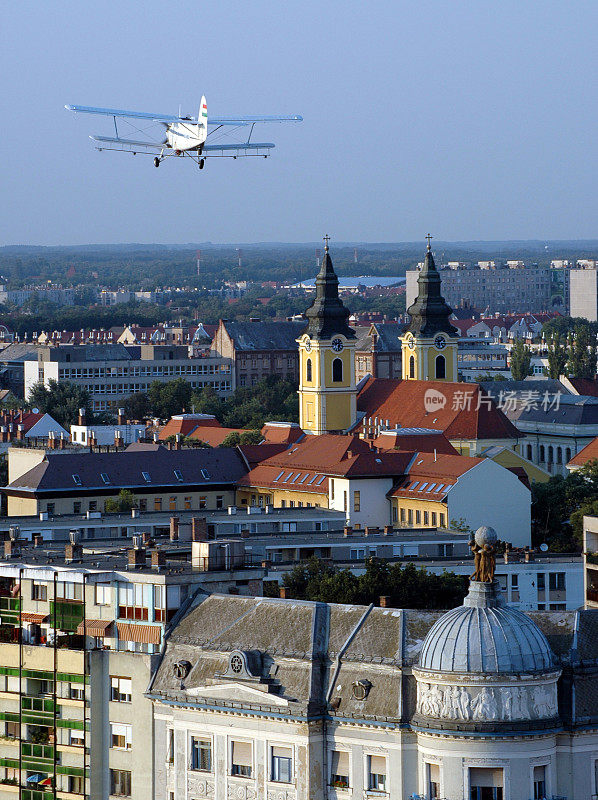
{"x":485,"y":636}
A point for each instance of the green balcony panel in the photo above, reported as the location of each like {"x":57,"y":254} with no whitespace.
{"x":66,"y":615}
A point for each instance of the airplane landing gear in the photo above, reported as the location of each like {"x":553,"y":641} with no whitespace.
{"x":202,"y":161}
{"x":156,"y":162}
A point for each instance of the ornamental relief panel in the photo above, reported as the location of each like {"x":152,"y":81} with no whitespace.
{"x":485,"y":703}
{"x":200,"y":787}
{"x":241,"y":792}
{"x":281,"y":794}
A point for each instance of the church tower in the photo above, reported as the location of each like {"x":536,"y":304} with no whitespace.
{"x":327,"y":393}
{"x":429,"y":345}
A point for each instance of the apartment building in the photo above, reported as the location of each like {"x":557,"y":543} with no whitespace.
{"x":506,"y":289}
{"x":80,"y":630}
{"x":258,"y":349}
{"x":110,"y":373}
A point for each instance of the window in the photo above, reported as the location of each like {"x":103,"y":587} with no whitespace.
{"x":433,"y":779}
{"x":77,"y":507}
{"x":172,"y":503}
{"x":121,"y":736}
{"x":410,"y":516}
{"x":146,"y":477}
{"x":120,"y":782}
{"x":357,"y":553}
{"x":485,"y":783}
{"x":377,"y":773}
{"x":120,"y":690}
{"x":539,"y":783}
{"x":440,"y":367}
{"x":76,"y":784}
{"x":442,"y":520}
{"x":39,"y":591}
{"x":178,"y":475}
{"x":339,"y":769}
{"x":418,"y":517}
{"x":219,"y":501}
{"x":93,"y":505}
{"x":434,"y":519}
{"x":76,"y":691}
{"x":69,"y":591}
{"x":170,"y":746}
{"x":157,"y":504}
{"x":205,"y":475}
{"x":556,"y":581}
{"x":103,"y":594}
{"x":201,"y":754}
{"x":76,"y":480}
{"x":105,"y":477}
{"x":308,"y":373}
{"x":76,"y":738}
{"x":412,"y":366}
{"x":203,"y":501}
{"x":11,"y":730}
{"x":331,"y":489}
{"x":426,"y":518}
{"x":356,"y":501}
{"x":541,"y":582}
{"x":337,"y":371}
{"x":50,"y":508}
{"x":282,"y":764}
{"x":515,"y":581}
{"x":241,"y":759}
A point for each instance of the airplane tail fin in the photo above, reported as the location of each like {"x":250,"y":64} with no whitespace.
{"x":203,"y":117}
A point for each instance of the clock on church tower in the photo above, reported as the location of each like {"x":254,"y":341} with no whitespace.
{"x":327,"y":392}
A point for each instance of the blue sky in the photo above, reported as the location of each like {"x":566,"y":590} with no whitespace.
{"x":475,"y":120}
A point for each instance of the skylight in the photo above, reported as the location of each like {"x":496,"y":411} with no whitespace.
{"x":146,"y":477}
{"x":205,"y":475}
{"x":304,"y":478}
{"x":320,"y":481}
{"x":432,"y":485}
{"x":77,"y":480}
{"x":279,"y":476}
{"x":288,"y":477}
{"x":414,"y":485}
{"x":312,"y":480}
{"x":178,"y":475}
{"x":422,"y":487}
{"x":105,"y":477}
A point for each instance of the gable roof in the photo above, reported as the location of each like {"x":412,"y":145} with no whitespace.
{"x":265,"y":335}
{"x":431,"y":477}
{"x":125,"y":469}
{"x":587,"y":453}
{"x":426,"y":440}
{"x":467,"y":413}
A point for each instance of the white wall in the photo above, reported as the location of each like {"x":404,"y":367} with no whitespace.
{"x":490,"y":495}
{"x":375,"y":507}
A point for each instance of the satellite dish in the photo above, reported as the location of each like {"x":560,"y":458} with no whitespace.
{"x":35,"y":410}
{"x":544,"y":547}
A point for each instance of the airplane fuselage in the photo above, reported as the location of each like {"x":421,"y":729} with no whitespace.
{"x":186,"y":135}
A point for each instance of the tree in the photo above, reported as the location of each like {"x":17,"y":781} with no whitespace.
{"x":582,"y":354}
{"x":231,"y":440}
{"x":406,"y":585}
{"x":124,"y":502}
{"x":557,"y":356}
{"x":251,"y":437}
{"x":521,"y":360}
{"x":167,"y":399}
{"x":61,"y":400}
{"x":137,"y":406}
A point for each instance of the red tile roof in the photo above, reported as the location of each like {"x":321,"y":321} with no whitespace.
{"x":282,"y":432}
{"x":185,"y":424}
{"x":585,"y":386}
{"x":467,"y":413}
{"x":431,"y":477}
{"x":214,"y":436}
{"x":414,"y":439}
{"x":588,"y":453}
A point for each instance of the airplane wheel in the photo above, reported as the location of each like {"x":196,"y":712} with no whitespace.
{"x":156,"y":162}
{"x":201,"y":163}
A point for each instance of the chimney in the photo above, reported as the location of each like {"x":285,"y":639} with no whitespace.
{"x":388,"y":530}
{"x":121,"y":416}
{"x":145,"y":537}
{"x":38,"y":540}
{"x":347,"y":530}
{"x":81,"y":419}
{"x":199,"y":529}
{"x":177,"y":441}
{"x":282,"y":592}
{"x":118,"y":440}
{"x":385,"y":601}
{"x":73,"y":550}
{"x":174,"y":529}
{"x":158,"y":559}
{"x":529,"y":554}
{"x":136,"y":554}
{"x":11,"y":548}
{"x":62,"y":441}
{"x":20,"y":432}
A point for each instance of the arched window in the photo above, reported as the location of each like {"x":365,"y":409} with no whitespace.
{"x":529,"y":452}
{"x":440,"y":367}
{"x":337,"y":371}
{"x":542,"y":455}
{"x":412,"y":366}
{"x":568,"y":451}
{"x":550,"y":454}
{"x":559,"y":456}
{"x":308,"y":377}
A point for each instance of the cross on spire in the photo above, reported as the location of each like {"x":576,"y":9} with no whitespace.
{"x":326,"y":239}
{"x":429,"y":237}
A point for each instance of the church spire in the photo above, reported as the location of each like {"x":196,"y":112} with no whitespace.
{"x":327,"y":315}
{"x":430,"y":313}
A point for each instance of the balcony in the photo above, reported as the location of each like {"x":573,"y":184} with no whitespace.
{"x":67,"y":614}
{"x":10,"y":608}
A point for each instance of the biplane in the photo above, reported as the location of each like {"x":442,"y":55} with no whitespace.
{"x":165,"y":135}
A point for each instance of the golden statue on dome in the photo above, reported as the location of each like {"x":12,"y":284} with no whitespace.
{"x":483,"y":547}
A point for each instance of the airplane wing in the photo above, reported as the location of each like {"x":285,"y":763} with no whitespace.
{"x":118,"y":112}
{"x":135,"y":145}
{"x":131,"y":142}
{"x":243,"y":146}
{"x":253,"y":118}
